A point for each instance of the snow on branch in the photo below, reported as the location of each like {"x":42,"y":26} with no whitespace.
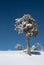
{"x":27,"y":25}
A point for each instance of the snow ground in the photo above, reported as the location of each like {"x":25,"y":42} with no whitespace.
{"x":20,"y":58}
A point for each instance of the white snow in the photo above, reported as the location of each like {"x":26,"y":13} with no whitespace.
{"x":29,"y":25}
{"x":20,"y":58}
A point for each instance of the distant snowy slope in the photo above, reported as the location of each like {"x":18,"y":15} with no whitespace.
{"x":20,"y":58}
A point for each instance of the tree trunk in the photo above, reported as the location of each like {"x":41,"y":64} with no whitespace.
{"x":28,"y":45}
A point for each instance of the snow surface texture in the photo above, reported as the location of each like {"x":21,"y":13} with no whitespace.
{"x":21,"y":58}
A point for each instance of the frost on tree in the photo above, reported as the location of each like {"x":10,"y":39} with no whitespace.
{"x":19,"y":47}
{"x":28,"y":26}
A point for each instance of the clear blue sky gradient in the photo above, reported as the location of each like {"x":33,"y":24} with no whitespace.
{"x":12,"y":9}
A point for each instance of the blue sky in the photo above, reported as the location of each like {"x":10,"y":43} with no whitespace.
{"x":9,"y":11}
